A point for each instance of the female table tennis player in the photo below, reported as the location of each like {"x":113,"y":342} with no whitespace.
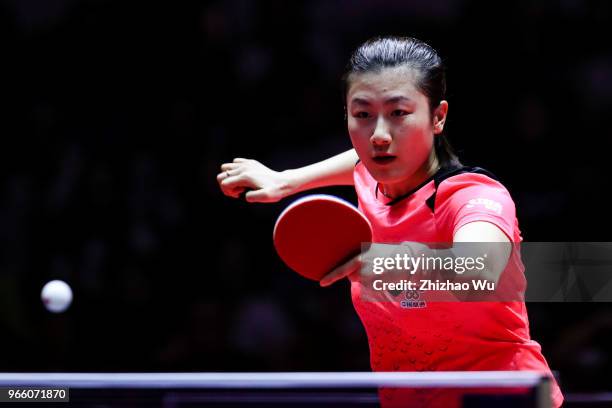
{"x":412,"y":187}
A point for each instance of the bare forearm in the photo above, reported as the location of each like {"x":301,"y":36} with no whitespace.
{"x":256,"y":182}
{"x":337,"y":170}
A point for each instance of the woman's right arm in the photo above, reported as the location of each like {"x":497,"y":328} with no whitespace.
{"x":265,"y":185}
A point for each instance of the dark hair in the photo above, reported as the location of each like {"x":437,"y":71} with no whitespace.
{"x":388,"y":52}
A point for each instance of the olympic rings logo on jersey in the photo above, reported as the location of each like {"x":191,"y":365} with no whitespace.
{"x":412,"y":294}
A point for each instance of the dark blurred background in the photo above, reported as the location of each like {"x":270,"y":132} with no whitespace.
{"x":116,"y":116}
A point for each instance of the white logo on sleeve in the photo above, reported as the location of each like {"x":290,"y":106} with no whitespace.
{"x":486,"y":203}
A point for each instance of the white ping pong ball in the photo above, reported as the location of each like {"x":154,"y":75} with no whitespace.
{"x":56,"y":295}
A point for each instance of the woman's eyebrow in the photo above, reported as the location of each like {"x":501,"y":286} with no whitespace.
{"x":396,"y":99}
{"x":392,"y":100}
{"x":360,"y":101}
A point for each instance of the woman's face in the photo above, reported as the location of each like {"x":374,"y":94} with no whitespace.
{"x":392,"y":129}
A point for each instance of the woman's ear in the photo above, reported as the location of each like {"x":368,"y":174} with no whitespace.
{"x":439,"y":117}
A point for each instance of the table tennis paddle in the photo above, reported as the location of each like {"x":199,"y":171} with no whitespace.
{"x":319,"y":232}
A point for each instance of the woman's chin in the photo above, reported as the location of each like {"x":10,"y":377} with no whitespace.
{"x":387,"y":178}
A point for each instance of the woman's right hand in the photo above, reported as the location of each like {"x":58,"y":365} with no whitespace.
{"x":350,"y":268}
{"x":260,"y":183}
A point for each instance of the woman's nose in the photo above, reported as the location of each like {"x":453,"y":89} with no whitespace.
{"x":381,"y":135}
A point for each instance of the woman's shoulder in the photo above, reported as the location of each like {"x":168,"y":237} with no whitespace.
{"x":471,"y":187}
{"x":475,"y":194}
{"x":451,"y":180}
{"x":465,"y":174}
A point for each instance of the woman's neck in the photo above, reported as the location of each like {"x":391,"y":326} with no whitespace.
{"x":429,"y":168}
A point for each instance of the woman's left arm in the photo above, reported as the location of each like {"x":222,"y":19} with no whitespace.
{"x":495,"y":244}
{"x":491,"y":241}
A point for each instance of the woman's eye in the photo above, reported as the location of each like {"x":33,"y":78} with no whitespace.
{"x":399,"y":112}
{"x":362,"y":115}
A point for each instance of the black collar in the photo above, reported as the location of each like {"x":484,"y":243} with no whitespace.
{"x":414,"y":190}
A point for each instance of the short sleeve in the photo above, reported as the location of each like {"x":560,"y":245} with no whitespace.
{"x":471,"y":197}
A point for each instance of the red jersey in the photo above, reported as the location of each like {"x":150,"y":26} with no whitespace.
{"x":443,"y":336}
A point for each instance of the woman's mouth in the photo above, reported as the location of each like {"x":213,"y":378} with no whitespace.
{"x":383,"y":159}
